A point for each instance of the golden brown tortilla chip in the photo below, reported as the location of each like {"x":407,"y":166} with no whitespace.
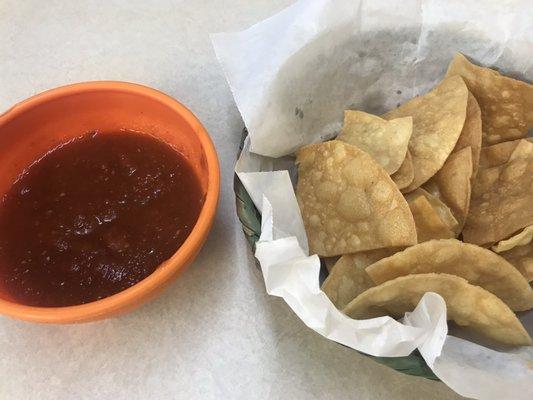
{"x":405,"y":174}
{"x":471,"y":134}
{"x":501,"y":202}
{"x":506,"y":104}
{"x":468,"y":305}
{"x":427,"y":221}
{"x":522,"y":151}
{"x":497,"y":154}
{"x":385,"y":141}
{"x":348,"y":201}
{"x":443,"y":211}
{"x":348,"y":278}
{"x":520,"y":239}
{"x":438,"y":119}
{"x":479,"y":266}
{"x":518,"y":250}
{"x":522,"y":258}
{"x":453,"y":184}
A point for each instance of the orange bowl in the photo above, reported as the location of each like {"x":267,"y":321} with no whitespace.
{"x":34,"y":126}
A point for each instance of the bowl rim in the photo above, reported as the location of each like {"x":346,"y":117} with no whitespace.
{"x":144,"y":289}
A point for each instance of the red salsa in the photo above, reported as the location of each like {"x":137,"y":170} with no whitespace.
{"x":93,"y":217}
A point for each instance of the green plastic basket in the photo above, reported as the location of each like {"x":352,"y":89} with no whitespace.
{"x":250,"y":219}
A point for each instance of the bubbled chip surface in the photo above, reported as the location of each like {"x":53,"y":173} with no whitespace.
{"x":479,"y":266}
{"x":348,"y":201}
{"x":385,"y":141}
{"x":438,"y":119}
{"x":468,"y":305}
{"x":506,"y":104}
{"x":501,"y":198}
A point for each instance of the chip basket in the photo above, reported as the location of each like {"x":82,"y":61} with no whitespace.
{"x":250,"y":219}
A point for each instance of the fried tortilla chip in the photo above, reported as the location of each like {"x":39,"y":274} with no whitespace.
{"x":497,"y":154}
{"x":500,"y":153}
{"x":443,"y":211}
{"x":522,"y":258}
{"x":348,"y":201}
{"x":479,"y":266}
{"x":453,"y":184}
{"x":386,"y":141}
{"x":427,"y":221}
{"x":520,"y":239}
{"x":522,"y":151}
{"x":405,"y":174}
{"x":468,"y":305}
{"x":506,"y":104}
{"x":501,"y":202}
{"x":348,"y":278}
{"x":438,"y":119}
{"x":471,"y":133}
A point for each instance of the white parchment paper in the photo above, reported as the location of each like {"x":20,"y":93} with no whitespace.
{"x":292,"y":76}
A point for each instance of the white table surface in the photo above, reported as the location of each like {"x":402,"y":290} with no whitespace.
{"x":214,"y":334}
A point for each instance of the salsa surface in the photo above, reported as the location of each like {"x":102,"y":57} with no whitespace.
{"x":93,"y":217}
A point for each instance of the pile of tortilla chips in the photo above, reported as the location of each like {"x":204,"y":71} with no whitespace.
{"x":434,"y":196}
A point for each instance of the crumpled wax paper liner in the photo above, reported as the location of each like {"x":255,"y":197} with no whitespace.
{"x":292,"y":75}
